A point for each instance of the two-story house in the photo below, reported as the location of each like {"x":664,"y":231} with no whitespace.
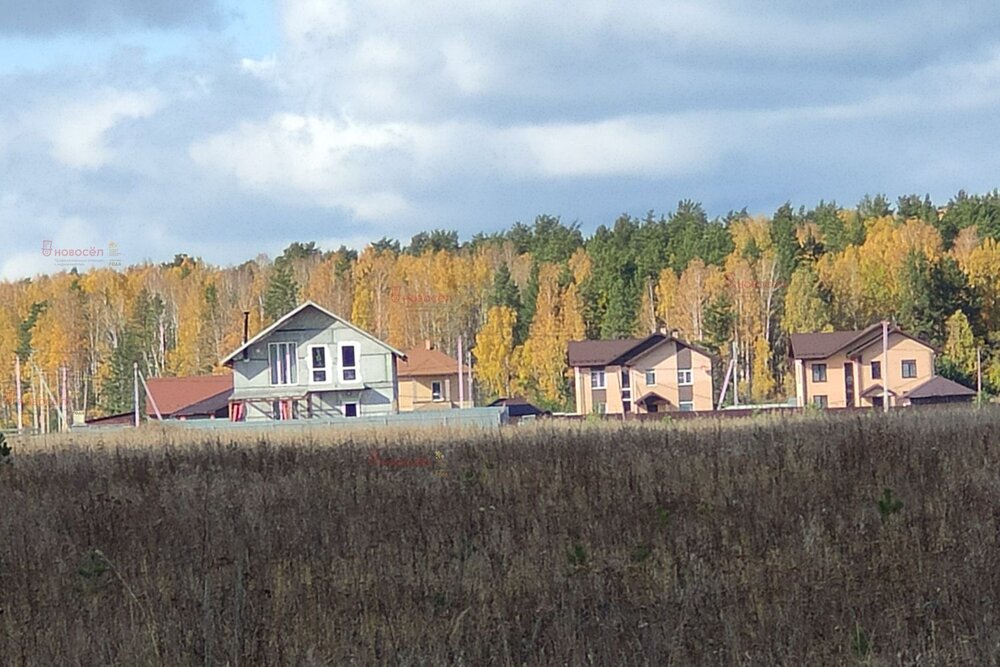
{"x":657,"y":373}
{"x":428,"y":380}
{"x":841,"y":369}
{"x":312,"y":364}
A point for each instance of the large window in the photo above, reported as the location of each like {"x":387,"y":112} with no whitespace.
{"x":436,"y":390}
{"x":597,"y":378}
{"x":909,"y":368}
{"x":819,"y":372}
{"x":349,"y":362}
{"x":876,"y":370}
{"x":350,"y":409}
{"x":819,"y":401}
{"x":281,"y":359}
{"x":685,"y":377}
{"x":650,"y":377}
{"x":319,"y":364}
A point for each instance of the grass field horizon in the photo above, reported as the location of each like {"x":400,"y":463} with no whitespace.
{"x":823,"y":538}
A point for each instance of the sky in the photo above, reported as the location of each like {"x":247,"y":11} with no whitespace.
{"x":226,"y":129}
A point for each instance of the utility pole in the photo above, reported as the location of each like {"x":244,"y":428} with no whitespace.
{"x":472,"y":396}
{"x":736,"y":377}
{"x":135,"y":391}
{"x":885,"y":366}
{"x":17,"y":382}
{"x":461,"y":385}
{"x":979,"y":376}
{"x":65,"y":416}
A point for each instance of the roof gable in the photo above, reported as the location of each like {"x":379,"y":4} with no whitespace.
{"x":287,"y":317}
{"x":620,"y":352}
{"x":826,"y":344}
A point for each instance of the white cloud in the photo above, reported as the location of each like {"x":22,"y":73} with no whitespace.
{"x":76,"y":131}
{"x":314,"y":20}
{"x":335,"y":162}
{"x":626,"y":146}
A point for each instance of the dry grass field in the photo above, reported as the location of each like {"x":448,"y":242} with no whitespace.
{"x":807,"y":540}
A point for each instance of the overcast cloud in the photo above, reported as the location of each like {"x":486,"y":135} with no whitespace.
{"x":229,"y":130}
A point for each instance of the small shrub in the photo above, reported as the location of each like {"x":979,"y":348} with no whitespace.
{"x":861,"y":643}
{"x":641,"y":553}
{"x":577,"y":556}
{"x":889,"y":504}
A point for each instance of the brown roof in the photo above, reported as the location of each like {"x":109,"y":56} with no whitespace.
{"x":598,"y":352}
{"x":174,"y":394}
{"x":217,"y":405}
{"x":939,"y":387}
{"x":652,"y":396}
{"x":823,"y":345}
{"x":826,"y":344}
{"x":875,"y":391}
{"x":421,"y":362}
{"x":619,"y":352}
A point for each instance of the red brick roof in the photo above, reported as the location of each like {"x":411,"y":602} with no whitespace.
{"x":422,"y":362}
{"x":174,"y":394}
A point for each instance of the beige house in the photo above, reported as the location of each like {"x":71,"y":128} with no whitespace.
{"x":428,"y":380}
{"x":842,"y":369}
{"x":658,"y":373}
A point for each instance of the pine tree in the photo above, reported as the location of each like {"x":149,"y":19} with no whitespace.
{"x":527,"y":311}
{"x":504,"y":291}
{"x":282,"y":291}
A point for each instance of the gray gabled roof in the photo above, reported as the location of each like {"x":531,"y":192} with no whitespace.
{"x":295,"y":311}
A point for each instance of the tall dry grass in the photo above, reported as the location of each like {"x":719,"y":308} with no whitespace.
{"x":745,"y":542}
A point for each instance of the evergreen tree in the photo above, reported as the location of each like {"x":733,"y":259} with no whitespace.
{"x":282,"y":291}
{"x":25,"y":328}
{"x":504,"y":291}
{"x":527,"y":311}
{"x":783,"y":225}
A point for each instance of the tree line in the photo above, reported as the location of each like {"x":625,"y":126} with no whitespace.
{"x":736,"y":284}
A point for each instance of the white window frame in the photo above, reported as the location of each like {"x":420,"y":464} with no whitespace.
{"x":440,"y":391}
{"x":650,"y":372}
{"x":596,"y":373}
{"x":357,"y":409}
{"x":687,"y":373}
{"x":326,"y":369}
{"x":686,"y":406}
{"x":357,"y":362}
{"x":290,"y":365}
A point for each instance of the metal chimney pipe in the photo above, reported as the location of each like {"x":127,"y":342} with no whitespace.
{"x":246,"y":332}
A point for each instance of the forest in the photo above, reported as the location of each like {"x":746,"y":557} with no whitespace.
{"x":736,"y":284}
